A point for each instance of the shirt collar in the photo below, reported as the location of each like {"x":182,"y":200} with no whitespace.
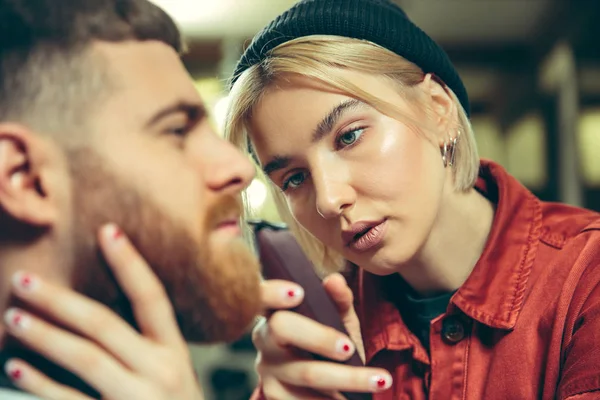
{"x":493,"y":293}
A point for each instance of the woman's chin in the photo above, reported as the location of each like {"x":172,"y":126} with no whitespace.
{"x":383,"y":263}
{"x":380,"y":267}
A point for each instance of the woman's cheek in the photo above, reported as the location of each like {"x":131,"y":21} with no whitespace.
{"x":305,"y":213}
{"x":300,"y":210}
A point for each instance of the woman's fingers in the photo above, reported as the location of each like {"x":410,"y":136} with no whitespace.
{"x":340,"y":293}
{"x":328,"y":376}
{"x":82,"y":315}
{"x":274,"y":389}
{"x":151,"y":306}
{"x":29,"y":379}
{"x":286,"y":328}
{"x":74,"y":353}
{"x":342,"y":296}
{"x":284,"y":338}
{"x":96,"y":344}
{"x":277,"y":294}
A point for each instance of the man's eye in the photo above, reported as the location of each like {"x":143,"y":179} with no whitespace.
{"x":179,"y":131}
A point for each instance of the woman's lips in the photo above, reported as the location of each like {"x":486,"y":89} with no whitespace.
{"x":369,"y":237}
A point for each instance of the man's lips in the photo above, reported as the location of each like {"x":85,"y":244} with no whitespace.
{"x":229,"y":225}
{"x":358,"y":229}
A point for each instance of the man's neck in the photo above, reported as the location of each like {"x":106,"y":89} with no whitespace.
{"x":454,"y":246}
{"x":45,"y":258}
{"x":51,"y":262}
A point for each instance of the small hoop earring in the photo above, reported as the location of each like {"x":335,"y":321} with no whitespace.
{"x":449,"y":150}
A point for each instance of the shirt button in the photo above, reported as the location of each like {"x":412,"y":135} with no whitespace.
{"x":453,"y":330}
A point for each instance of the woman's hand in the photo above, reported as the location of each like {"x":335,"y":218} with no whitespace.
{"x":284,"y":339}
{"x":100,"y":347}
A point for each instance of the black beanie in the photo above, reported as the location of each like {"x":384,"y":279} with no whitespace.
{"x":378,"y":21}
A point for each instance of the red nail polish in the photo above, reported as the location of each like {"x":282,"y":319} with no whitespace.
{"x":117,"y":233}
{"x":380,"y":383}
{"x":343,"y":346}
{"x":12,"y":370}
{"x":26,"y":281}
{"x":17,"y":320}
{"x":294,"y":293}
{"x":16,"y":374}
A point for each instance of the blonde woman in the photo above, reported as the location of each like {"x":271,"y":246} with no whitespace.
{"x":466,"y":286}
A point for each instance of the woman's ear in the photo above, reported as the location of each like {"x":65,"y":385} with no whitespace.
{"x":23,"y":193}
{"x":442,"y":106}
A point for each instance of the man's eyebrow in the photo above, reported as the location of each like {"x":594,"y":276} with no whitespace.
{"x":328,"y":123}
{"x":194,"y":111}
{"x":276,"y":164}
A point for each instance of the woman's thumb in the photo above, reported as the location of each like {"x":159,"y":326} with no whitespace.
{"x":342,"y":296}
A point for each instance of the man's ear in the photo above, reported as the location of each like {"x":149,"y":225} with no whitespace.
{"x":23,"y":196}
{"x":443,"y":107}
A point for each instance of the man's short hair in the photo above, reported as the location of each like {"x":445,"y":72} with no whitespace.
{"x":47,"y":79}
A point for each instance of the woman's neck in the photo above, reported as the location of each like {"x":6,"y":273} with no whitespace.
{"x":454,"y":246}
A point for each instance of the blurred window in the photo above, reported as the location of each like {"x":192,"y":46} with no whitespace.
{"x":526,"y":157}
{"x":589,"y":146}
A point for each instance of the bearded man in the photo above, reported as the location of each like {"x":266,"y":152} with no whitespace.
{"x":100,"y":123}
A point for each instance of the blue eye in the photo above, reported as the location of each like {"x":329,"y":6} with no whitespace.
{"x":350,"y":137}
{"x":294,"y":181}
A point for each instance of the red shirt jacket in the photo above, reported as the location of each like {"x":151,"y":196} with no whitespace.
{"x":525,"y":324}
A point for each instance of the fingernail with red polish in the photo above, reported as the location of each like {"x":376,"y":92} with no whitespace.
{"x":13,"y":371}
{"x":113,"y":232}
{"x":25,"y":281}
{"x":343,"y":346}
{"x":380,"y":383}
{"x":16,"y":319}
{"x":294,"y":293}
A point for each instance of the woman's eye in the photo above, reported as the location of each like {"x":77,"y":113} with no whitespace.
{"x":350,"y":137}
{"x":294,"y":181}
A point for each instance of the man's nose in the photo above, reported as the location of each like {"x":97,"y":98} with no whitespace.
{"x":228,"y":170}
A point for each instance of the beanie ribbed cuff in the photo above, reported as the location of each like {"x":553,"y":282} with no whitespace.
{"x":378,"y":21}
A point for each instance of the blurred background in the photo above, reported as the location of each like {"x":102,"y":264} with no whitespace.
{"x":532,"y":70}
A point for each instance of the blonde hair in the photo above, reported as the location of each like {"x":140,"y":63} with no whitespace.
{"x":321,"y":57}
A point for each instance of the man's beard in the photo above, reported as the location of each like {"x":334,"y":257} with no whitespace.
{"x":214,"y":290}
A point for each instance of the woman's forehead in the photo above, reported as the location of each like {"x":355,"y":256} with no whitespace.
{"x":295,"y":107}
{"x":299,"y":101}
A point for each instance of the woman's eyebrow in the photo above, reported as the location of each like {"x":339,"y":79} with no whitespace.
{"x":331,"y":119}
{"x":322,"y":129}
